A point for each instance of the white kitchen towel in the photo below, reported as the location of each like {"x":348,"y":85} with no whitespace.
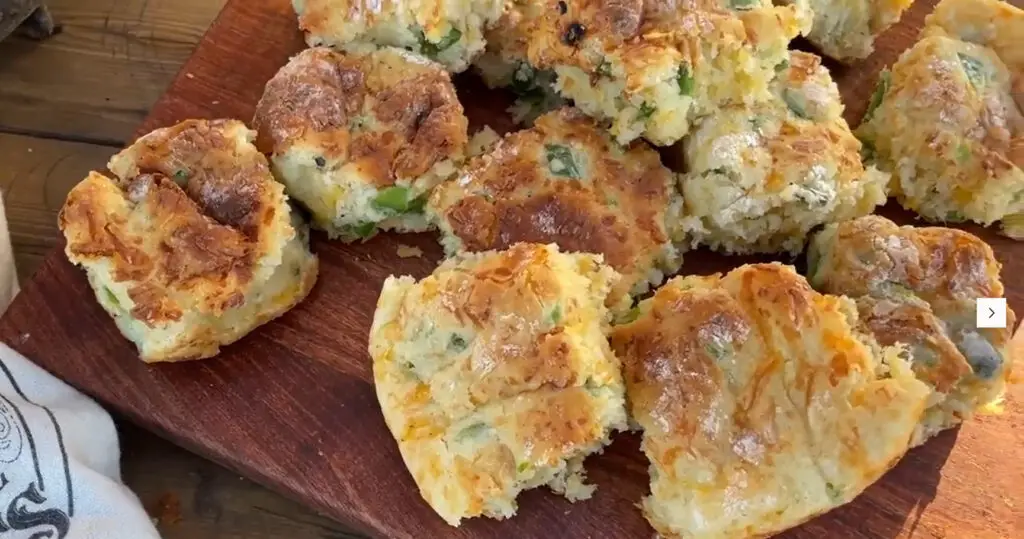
{"x":60,"y":471}
{"x":59,"y":462}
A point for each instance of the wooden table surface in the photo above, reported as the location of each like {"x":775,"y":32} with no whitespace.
{"x":66,"y":105}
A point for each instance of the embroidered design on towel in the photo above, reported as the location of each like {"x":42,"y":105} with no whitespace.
{"x":36,"y":501}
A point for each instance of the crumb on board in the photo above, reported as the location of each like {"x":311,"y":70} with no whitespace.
{"x":408,"y":251}
{"x":166,"y":511}
{"x":190,"y":76}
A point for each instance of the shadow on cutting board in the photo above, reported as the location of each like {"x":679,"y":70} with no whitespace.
{"x":892,"y":507}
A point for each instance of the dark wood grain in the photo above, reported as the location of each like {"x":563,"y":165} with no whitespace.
{"x":292,"y":405}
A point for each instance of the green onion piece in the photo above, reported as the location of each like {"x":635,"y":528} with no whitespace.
{"x":795,"y":103}
{"x":523,"y":467}
{"x":974,"y":69}
{"x":181,"y":177}
{"x":431,"y":49}
{"x":963,"y":153}
{"x":646,"y":111}
{"x":884,"y":79}
{"x":472,"y":431}
{"x":743,"y":4}
{"x":604,"y":69}
{"x":561,"y":161}
{"x":716,"y":350}
{"x":685,"y":80}
{"x":364,"y":230}
{"x":868,"y":153}
{"x":631,"y":315}
{"x":457,"y":343}
{"x":416,"y":205}
{"x":524,"y":79}
{"x":556,"y":315}
{"x":111,"y":297}
{"x":834,"y":493}
{"x":782,"y":66}
{"x":393,"y":198}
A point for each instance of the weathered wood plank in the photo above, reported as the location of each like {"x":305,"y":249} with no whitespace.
{"x":193,"y":498}
{"x":97,"y":79}
{"x":35,"y":177}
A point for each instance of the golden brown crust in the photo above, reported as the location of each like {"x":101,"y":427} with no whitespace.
{"x":228,"y":186}
{"x":617,"y":206}
{"x":184,"y":250}
{"x":914,"y":325}
{"x":391,"y":114}
{"x":917,"y":287}
{"x":938,"y":264}
{"x":760,"y":405}
{"x":192,"y":244}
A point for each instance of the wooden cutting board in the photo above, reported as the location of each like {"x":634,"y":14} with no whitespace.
{"x":293,"y":406}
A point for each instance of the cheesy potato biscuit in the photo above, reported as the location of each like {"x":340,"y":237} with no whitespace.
{"x":945,"y":121}
{"x":360,"y":139}
{"x":566,"y":181}
{"x":450,"y":32}
{"x":760,"y":178}
{"x":917,"y":287}
{"x":761,"y":405}
{"x":192,"y":244}
{"x":846,"y":29}
{"x":652,"y":68}
{"x":495,"y":376}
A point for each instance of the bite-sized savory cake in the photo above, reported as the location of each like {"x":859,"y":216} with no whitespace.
{"x":947,"y":122}
{"x":192,"y":244}
{"x":504,"y":64}
{"x":360,"y":139}
{"x":760,"y":177}
{"x":917,"y":287}
{"x":495,"y":376}
{"x":652,"y":68}
{"x":846,"y":29}
{"x":565,"y":181}
{"x":451,"y":32}
{"x":761,"y":405}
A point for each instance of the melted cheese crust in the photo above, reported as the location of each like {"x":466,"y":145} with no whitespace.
{"x":565,"y":181}
{"x":361,"y":138}
{"x":761,"y":406}
{"x":192,"y":244}
{"x":917,"y":287}
{"x":495,"y":375}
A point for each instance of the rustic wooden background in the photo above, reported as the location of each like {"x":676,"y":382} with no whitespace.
{"x":66,"y":105}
